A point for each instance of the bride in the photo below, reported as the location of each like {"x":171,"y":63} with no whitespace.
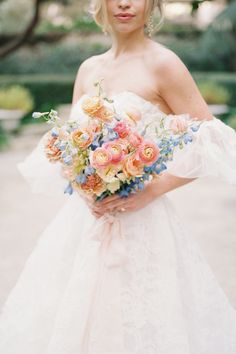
{"x":122,"y":276}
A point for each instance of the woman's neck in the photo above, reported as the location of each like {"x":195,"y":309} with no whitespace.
{"x":127,"y":43}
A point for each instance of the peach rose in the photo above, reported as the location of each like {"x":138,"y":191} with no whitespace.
{"x":82,"y":137}
{"x":51,"y":151}
{"x":91,"y":105}
{"x":133,"y":167}
{"x":122,"y":129}
{"x":178,"y":124}
{"x":116,"y":151}
{"x":148,"y":153}
{"x":93,"y":184}
{"x":100,"y":158}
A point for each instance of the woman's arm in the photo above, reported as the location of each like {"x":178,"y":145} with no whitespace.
{"x":177,"y":87}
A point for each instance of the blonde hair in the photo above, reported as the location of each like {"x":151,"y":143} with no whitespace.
{"x":99,"y":12}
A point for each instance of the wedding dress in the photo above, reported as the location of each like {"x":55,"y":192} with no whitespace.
{"x":133,"y":283}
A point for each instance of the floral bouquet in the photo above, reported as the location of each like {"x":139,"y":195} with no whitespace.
{"x":113,"y":153}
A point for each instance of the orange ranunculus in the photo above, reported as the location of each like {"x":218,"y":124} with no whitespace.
{"x":132,"y":167}
{"x":93,"y":184}
{"x":104,"y":114}
{"x":82,"y":137}
{"x":92,"y":105}
{"x":51,"y":151}
{"x":148,"y":153}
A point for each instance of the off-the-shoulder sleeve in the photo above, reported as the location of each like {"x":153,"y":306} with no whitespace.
{"x":212,"y":153}
{"x":42,"y":176}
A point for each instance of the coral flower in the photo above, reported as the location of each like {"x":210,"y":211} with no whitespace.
{"x":51,"y":151}
{"x":122,"y":129}
{"x":100,"y":158}
{"x":92,"y":105}
{"x":104,"y":114}
{"x":116,"y":151}
{"x":148,"y":153}
{"x":93,"y":184}
{"x":82,"y":137}
{"x":133,"y":167}
{"x":135,"y":139}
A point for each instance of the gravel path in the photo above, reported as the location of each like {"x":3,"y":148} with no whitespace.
{"x":207,"y":206}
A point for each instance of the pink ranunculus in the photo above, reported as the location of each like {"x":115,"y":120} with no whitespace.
{"x":100,"y":158}
{"x":122,"y":129}
{"x":115,"y":149}
{"x":135,"y":139}
{"x":148,"y":153}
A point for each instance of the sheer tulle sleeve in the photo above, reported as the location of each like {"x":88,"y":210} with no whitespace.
{"x":212,"y":153}
{"x":42,"y":176}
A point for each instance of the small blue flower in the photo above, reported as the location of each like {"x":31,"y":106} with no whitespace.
{"x":187,"y":138}
{"x":64,"y":154}
{"x":195,"y":128}
{"x":176,"y":142}
{"x":146,"y":177}
{"x":68,"y":160}
{"x":54,"y":132}
{"x":141,"y":185}
{"x":80,"y":179}
{"x":95,"y":144}
{"x":62,"y":146}
{"x":123,"y":193}
{"x":160,"y":168}
{"x":68,"y":189}
{"x":89,"y":170}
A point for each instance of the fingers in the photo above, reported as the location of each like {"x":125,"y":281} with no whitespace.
{"x":109,"y":199}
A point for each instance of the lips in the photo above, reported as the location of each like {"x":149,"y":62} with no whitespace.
{"x":124,"y":16}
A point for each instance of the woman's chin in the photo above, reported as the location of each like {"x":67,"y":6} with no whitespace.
{"x":122,"y":30}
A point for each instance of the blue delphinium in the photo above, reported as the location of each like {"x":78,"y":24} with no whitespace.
{"x":69,"y":189}
{"x":89,"y":170}
{"x":187,"y":138}
{"x":68,"y":160}
{"x":195,"y":128}
{"x":81,"y":178}
{"x":54,"y":132}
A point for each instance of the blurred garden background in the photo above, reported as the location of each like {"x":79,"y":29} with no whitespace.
{"x":42,"y":44}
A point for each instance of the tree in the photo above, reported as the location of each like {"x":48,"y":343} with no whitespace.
{"x":22,"y":38}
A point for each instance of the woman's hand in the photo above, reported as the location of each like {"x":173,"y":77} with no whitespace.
{"x":160,"y":185}
{"x":115,"y":203}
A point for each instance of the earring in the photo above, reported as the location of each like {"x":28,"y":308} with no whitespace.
{"x":150,"y":25}
{"x":104,"y":31}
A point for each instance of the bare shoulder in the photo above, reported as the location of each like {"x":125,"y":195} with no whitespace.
{"x":176,"y":85}
{"x":166,"y":62}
